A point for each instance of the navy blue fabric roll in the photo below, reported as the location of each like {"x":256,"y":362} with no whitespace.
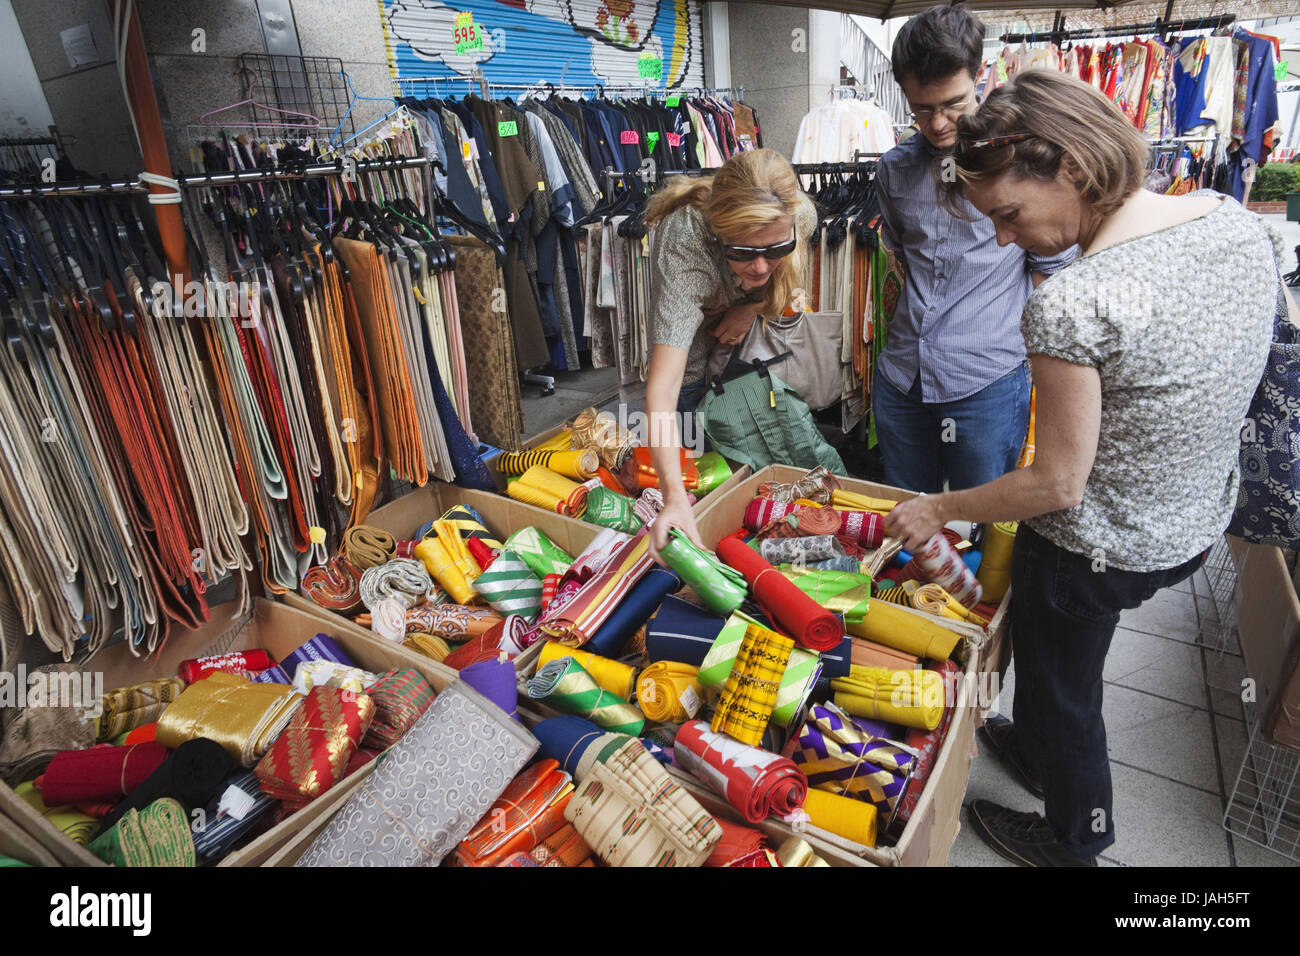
{"x":635,"y":610}
{"x":836,"y":662}
{"x":565,"y":739}
{"x":218,"y":835}
{"x":682,"y":632}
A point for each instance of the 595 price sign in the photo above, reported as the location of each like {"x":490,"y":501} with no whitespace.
{"x":468,"y":37}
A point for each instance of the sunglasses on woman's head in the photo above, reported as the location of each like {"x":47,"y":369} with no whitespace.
{"x":965,"y":147}
{"x":778,"y":250}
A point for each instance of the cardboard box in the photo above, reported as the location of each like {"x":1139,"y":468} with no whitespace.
{"x":280,"y":630}
{"x":1268,"y":627}
{"x":21,"y":845}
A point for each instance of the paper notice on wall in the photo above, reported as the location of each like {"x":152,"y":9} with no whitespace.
{"x":79,"y":46}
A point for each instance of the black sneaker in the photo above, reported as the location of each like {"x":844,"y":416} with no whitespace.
{"x":999,"y":733}
{"x":1022,"y":838}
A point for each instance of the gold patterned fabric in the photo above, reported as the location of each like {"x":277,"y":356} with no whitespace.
{"x":129,"y":707}
{"x":312,"y":753}
{"x":751,"y":692}
{"x":158,"y":835}
{"x":243,"y":717}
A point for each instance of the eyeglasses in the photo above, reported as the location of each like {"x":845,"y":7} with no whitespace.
{"x":950,"y":110}
{"x":778,"y":250}
{"x":966,"y":147}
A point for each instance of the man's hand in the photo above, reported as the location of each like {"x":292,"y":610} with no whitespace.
{"x":736,"y":323}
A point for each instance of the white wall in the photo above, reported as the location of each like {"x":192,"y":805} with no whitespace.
{"x":23,"y":110}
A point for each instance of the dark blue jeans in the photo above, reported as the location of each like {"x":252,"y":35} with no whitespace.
{"x":970,"y":441}
{"x":1064,"y":610}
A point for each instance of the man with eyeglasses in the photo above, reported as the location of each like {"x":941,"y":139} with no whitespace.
{"x":951,"y":390}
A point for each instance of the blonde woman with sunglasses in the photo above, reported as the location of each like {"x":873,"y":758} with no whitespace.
{"x":727,"y":248}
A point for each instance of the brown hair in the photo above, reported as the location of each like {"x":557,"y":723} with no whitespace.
{"x":1063,"y":117}
{"x":749,"y":192}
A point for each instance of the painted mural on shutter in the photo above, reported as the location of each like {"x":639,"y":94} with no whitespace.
{"x":580,"y":42}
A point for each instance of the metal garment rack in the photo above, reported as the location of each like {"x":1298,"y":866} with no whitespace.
{"x":1160,"y":27}
{"x":542,"y":86}
{"x":1264,"y":806}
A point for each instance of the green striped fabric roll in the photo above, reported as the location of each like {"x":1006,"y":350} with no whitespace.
{"x":510,"y":586}
{"x":796,"y":683}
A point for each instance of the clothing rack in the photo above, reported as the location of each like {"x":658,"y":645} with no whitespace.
{"x":544,"y":86}
{"x":232,"y":178}
{"x":1161,"y":28}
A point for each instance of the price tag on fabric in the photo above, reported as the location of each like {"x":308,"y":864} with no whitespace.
{"x":630,"y":137}
{"x":673,"y":101}
{"x":651,"y":140}
{"x":690,"y":702}
{"x":464,"y":149}
{"x":508,"y":128}
{"x":674,"y":139}
{"x":649,"y":67}
{"x":1280,"y":71}
{"x":541,"y":186}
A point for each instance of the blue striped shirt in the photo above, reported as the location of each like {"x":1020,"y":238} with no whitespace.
{"x":958,"y":318}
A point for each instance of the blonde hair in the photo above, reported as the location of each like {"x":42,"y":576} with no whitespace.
{"x":1064,"y":117}
{"x":749,"y":192}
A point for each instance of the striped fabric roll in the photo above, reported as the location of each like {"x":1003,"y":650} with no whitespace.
{"x":577,"y":621}
{"x":430,"y":645}
{"x":510,"y":587}
{"x":609,"y":509}
{"x":219,"y":831}
{"x":751,"y":692}
{"x":468,"y":522}
{"x":894,"y":595}
{"x":128,"y":707}
{"x":540,"y":553}
{"x":566,"y":685}
{"x":334,"y":585}
{"x":400,"y":696}
{"x":579,"y":465}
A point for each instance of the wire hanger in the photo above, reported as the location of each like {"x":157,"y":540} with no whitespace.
{"x":312,"y":121}
{"x":355,"y":98}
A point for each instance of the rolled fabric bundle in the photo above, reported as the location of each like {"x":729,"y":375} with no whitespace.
{"x":751,"y":691}
{"x":737,"y":841}
{"x":509,"y":587}
{"x":838,"y":754}
{"x":596,"y":556}
{"x":682,"y":632}
{"x":614,"y":676}
{"x":322,"y":647}
{"x":670,"y":692}
{"x":191,"y":774}
{"x":448,"y":560}
{"x":540,"y":553}
{"x":128,"y":707}
{"x":797,"y":681}
{"x":905,"y":631}
{"x":467,"y":522}
{"x":483,"y":555}
{"x":405,"y":549}
{"x":566,"y":685}
{"x":388,"y":620}
{"x":943,"y":566}
{"x":100,"y":773}
{"x":159,"y":835}
{"x":142,"y":734}
{"x":994,"y":574}
{"x":761,"y":512}
{"x":851,"y":819}
{"x":600,"y":432}
{"x":503,"y":637}
{"x":430,"y":645}
{"x":453,"y":622}
{"x":847,"y":593}
{"x":801,"y":550}
{"x":495,"y":680}
{"x":368,"y":547}
{"x":911,"y":698}
{"x":530,"y":810}
{"x":632,"y":813}
{"x":430,"y":790}
{"x":579,"y":465}
{"x":870,"y":654}
{"x":400,"y":695}
{"x":574,"y":743}
{"x":640,"y":469}
{"x":933,"y":599}
{"x":238,"y":662}
{"x":846,"y":565}
{"x":564,"y":847}
{"x":648,"y":505}
{"x":330,"y":674}
{"x":243,"y":717}
{"x":817,"y":486}
{"x":895,"y":595}
{"x":720,"y":588}
{"x":867,"y":528}
{"x":837,"y":661}
{"x":796,"y":852}
{"x":811,"y":625}
{"x":757,"y":783}
{"x":609,"y":509}
{"x":545,"y":489}
{"x":401,"y":579}
{"x":619,"y":631}
{"x":550,"y":587}
{"x":221,"y":831}
{"x":79,"y":827}
{"x":714,"y":472}
{"x":577,"y":621}
{"x":334,"y":585}
{"x":927,"y":745}
{"x":309,"y":757}
{"x":560,"y":441}
{"x":803,"y":522}
{"x":852,"y":501}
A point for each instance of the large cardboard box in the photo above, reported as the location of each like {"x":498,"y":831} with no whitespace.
{"x":1268,"y":627}
{"x":279,"y":630}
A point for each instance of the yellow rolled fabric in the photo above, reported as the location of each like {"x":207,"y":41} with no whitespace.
{"x":446,"y":557}
{"x":669,"y":691}
{"x":994,"y":574}
{"x":560,"y":441}
{"x":243,"y":717}
{"x":852,"y":819}
{"x":796,"y":852}
{"x":544,"y":488}
{"x":852,"y":501}
{"x":933,"y":599}
{"x":610,"y":675}
{"x":78,"y":826}
{"x":904,"y":631}
{"x":580,"y":465}
{"x":430,"y":645}
{"x":912,"y":698}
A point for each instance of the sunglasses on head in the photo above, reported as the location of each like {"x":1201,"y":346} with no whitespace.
{"x":966,"y":147}
{"x":778,"y":250}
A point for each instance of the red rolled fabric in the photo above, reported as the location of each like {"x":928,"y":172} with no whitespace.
{"x":865,"y":527}
{"x":756,"y":782}
{"x":100,"y":773}
{"x":142,"y":734}
{"x":239,"y":662}
{"x":802,"y":618}
{"x":482,"y":554}
{"x":763,"y":511}
{"x":486,"y":647}
{"x":405,"y":549}
{"x":737,"y":841}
